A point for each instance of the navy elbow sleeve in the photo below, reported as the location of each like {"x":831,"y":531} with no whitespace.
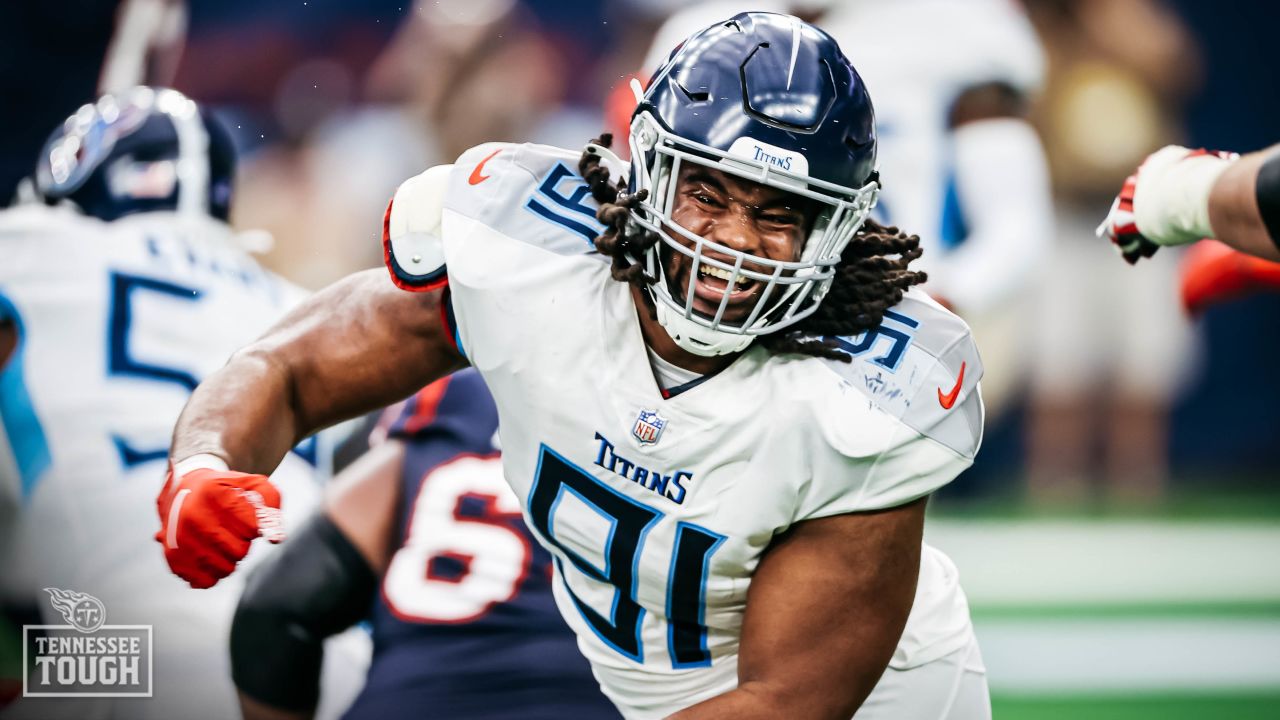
{"x":317,"y":585}
{"x":1268,"y":195}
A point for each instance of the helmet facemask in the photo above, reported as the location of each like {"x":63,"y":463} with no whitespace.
{"x":790,"y":290}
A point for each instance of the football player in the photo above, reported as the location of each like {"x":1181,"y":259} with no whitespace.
{"x":424,"y":529}
{"x":721,"y":404}
{"x":1179,"y":196}
{"x":122,"y":286}
{"x":951,"y":102}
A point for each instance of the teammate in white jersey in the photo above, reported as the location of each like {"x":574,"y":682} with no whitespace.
{"x":118,"y":293}
{"x":718,"y":402}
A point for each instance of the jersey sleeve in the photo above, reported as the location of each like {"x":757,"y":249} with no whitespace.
{"x":903,"y":425}
{"x":529,"y":193}
{"x":518,"y":243}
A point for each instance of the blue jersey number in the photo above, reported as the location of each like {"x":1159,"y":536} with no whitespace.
{"x":573,"y":213}
{"x":629,"y":523}
{"x":896,"y":328}
{"x":122,"y":362}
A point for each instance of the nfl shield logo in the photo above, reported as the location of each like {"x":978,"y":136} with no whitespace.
{"x":648,"y":427}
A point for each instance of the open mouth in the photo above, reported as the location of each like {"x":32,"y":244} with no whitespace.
{"x":713,"y":284}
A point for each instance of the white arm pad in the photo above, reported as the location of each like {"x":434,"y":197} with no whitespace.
{"x":414,"y":252}
{"x":1171,"y":198}
{"x":1002,"y":180}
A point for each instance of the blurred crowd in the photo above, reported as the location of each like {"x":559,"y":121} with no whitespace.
{"x":1102,"y":391}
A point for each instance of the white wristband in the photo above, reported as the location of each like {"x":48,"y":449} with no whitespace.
{"x":202,"y":461}
{"x":1171,"y":200}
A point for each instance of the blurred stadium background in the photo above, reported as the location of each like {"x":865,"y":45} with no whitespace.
{"x":1119,"y":539}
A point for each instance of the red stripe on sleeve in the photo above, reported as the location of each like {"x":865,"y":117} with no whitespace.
{"x":426,"y":404}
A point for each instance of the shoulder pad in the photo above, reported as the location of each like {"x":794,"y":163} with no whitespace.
{"x":922,"y":367}
{"x":411,"y":244}
{"x":532,"y":193}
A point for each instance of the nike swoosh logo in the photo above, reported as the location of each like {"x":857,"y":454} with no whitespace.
{"x":946,"y":401}
{"x":476,"y":178}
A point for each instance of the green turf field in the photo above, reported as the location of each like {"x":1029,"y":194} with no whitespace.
{"x":1244,"y":706}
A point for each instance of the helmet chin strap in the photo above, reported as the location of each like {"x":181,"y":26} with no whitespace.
{"x":697,"y":339}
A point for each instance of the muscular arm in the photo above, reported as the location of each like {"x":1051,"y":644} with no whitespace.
{"x":355,"y":346}
{"x":824,"y":613}
{"x":1234,"y":210}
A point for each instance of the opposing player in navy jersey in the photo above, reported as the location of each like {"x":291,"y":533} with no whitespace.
{"x":424,"y":529}
{"x":722,"y":405}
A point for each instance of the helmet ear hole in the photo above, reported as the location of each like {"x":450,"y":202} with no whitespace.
{"x":698,"y":97}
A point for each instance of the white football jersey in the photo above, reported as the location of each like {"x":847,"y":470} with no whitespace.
{"x":657,"y":511}
{"x":917,"y":57}
{"x":117,"y":323}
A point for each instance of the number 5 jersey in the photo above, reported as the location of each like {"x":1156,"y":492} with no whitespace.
{"x":116,"y":323}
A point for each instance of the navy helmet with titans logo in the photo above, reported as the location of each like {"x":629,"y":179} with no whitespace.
{"x":140,"y":150}
{"x":772,"y":99}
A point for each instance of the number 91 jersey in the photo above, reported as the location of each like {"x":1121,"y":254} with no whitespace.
{"x":657,"y":510}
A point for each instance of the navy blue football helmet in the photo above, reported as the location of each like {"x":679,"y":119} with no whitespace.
{"x":141,"y":150}
{"x":772,"y":99}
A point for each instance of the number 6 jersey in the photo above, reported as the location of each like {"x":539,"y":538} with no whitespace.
{"x":657,"y":510}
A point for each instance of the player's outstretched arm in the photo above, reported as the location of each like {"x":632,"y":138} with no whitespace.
{"x":1179,"y":196}
{"x":356,"y":346}
{"x":1244,"y":204}
{"x":826,"y":608}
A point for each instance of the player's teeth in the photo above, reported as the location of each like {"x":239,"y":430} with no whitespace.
{"x":708,"y":271}
{"x":716,"y":273}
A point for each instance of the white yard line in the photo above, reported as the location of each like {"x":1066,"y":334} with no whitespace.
{"x":1027,"y":562}
{"x":1036,"y":656}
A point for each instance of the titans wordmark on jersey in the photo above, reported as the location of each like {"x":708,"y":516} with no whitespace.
{"x":657,"y":510}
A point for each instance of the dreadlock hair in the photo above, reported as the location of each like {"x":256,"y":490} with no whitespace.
{"x":871,"y":277}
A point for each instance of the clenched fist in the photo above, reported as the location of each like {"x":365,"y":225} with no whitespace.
{"x":209,"y":517}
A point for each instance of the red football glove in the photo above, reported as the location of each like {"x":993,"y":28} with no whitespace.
{"x":209,"y":517}
{"x":1214,"y":273}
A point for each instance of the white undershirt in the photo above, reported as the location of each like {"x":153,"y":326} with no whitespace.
{"x":667,"y":374}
